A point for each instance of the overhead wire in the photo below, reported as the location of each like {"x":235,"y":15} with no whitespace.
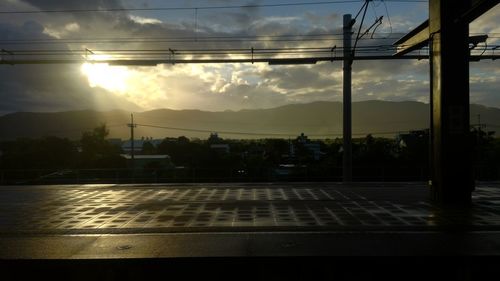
{"x":364,"y":8}
{"x":263,"y":133}
{"x":215,"y":39}
{"x":202,"y":7}
{"x":141,"y":53}
{"x":250,"y":37}
{"x":388,"y":17}
{"x":182,"y":8}
{"x":191,"y":53}
{"x":365,"y":49}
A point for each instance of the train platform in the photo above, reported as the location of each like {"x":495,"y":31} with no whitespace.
{"x":137,"y":222}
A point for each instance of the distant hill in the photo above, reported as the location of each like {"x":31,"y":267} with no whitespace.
{"x":314,"y":119}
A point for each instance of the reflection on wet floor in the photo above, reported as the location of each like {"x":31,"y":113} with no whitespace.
{"x":230,"y":207}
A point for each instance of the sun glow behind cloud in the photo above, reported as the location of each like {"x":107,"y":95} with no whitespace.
{"x":216,"y":86}
{"x":111,"y":78}
{"x":173,"y":86}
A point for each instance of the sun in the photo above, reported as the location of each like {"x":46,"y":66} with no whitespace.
{"x":111,"y":78}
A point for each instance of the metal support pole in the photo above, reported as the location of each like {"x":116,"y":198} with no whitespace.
{"x":347,"y":115}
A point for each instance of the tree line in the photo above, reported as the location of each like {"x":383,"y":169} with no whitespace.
{"x":250,"y":158}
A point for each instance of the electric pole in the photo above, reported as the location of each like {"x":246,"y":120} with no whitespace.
{"x":347,"y":115}
{"x":132,"y":126}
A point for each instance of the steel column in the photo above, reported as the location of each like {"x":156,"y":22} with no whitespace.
{"x":451,"y":165}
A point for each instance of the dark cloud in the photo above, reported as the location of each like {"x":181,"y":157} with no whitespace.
{"x":48,"y":87}
{"x":253,"y":96}
{"x":392,"y":69}
{"x":29,"y":29}
{"x":74,"y":5}
{"x":52,"y":88}
{"x":63,"y":87}
{"x":485,"y":91}
{"x":300,"y":77}
{"x":322,"y":22}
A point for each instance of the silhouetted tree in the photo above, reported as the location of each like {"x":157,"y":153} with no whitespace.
{"x":275,"y":149}
{"x":148,"y":148}
{"x":97,"y":152}
{"x":379,"y":151}
{"x":181,"y":150}
{"x":44,"y":153}
{"x":414,"y":149}
{"x":485,"y":154}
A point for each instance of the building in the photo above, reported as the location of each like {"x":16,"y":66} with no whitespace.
{"x":216,"y":143}
{"x":313,"y":147}
{"x":412,"y":137}
{"x":149,"y":161}
{"x":222,"y":148}
{"x":139,"y":144}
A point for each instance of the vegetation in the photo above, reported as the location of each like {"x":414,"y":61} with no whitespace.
{"x":403,"y":158}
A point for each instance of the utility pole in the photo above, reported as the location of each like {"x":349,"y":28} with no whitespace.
{"x":347,"y":114}
{"x":132,"y":126}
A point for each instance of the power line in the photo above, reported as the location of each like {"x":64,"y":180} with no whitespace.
{"x":212,"y":55}
{"x":267,"y":134}
{"x":205,"y":55}
{"x":203,"y":50}
{"x":203,"y":7}
{"x":184,"y":8}
{"x":162,"y":53}
{"x":269,"y":60}
{"x":180,"y":40}
{"x":211,"y":131}
{"x":181,"y":37}
{"x":80,"y":130}
{"x":249,"y":37}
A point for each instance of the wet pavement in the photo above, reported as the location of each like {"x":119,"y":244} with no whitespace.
{"x":173,"y":220}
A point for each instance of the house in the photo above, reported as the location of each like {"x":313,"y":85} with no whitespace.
{"x":149,"y":161}
{"x":313,"y":147}
{"x":216,"y":143}
{"x":139,"y":144}
{"x":222,"y":148}
{"x":115,"y":141}
{"x":413,"y":137}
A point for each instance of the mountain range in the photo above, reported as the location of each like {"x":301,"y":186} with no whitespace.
{"x":317,"y":119}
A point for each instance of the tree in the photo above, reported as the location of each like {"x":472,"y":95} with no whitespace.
{"x":181,"y":150}
{"x":275,"y":149}
{"x":148,"y":148}
{"x":97,"y":152}
{"x":374,"y":152}
{"x":414,"y":148}
{"x":44,"y":153}
{"x":485,"y":154}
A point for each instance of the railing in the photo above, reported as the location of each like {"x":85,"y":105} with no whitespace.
{"x":185,"y":175}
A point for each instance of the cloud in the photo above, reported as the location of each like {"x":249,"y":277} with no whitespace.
{"x":70,"y":5}
{"x":48,"y":87}
{"x":142,"y":20}
{"x":52,"y":88}
{"x":215,"y":86}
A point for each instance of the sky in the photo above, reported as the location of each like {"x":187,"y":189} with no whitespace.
{"x":213,"y":87}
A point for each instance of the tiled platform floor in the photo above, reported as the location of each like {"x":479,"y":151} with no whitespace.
{"x":124,"y":209}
